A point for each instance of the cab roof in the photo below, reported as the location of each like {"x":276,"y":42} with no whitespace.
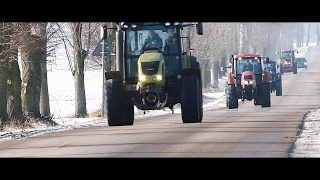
{"x":247,"y":56}
{"x":287,"y":50}
{"x":270,"y":61}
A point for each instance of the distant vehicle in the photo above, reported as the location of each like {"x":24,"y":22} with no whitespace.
{"x":302,"y":62}
{"x":288,"y":60}
{"x":247,"y":81}
{"x":273,"y":67}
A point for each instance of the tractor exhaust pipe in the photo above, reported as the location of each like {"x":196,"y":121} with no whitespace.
{"x":119,"y":49}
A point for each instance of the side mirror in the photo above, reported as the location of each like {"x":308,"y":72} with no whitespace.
{"x":103,"y":32}
{"x":267,"y":59}
{"x":199,"y":27}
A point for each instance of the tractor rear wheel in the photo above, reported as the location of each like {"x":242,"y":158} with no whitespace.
{"x":295,"y":68}
{"x":257,"y":98}
{"x":191,"y":99}
{"x":266,"y":95}
{"x":279,"y":87}
{"x":128,"y":114}
{"x":232,"y":97}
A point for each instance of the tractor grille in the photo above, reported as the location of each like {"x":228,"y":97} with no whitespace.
{"x":150,"y":68}
{"x":247,"y":76}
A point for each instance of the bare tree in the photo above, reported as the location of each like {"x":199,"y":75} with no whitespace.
{"x":14,"y":106}
{"x":40,"y":29}
{"x":308,"y":34}
{"x":79,"y":56}
{"x":3,"y":71}
{"x":32,"y":53}
{"x":317,"y":31}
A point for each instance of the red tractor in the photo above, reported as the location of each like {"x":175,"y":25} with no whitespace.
{"x":273,"y":67}
{"x":288,"y":61}
{"x":247,"y":81}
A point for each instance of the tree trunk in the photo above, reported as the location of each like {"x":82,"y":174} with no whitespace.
{"x":206,"y":78}
{"x":31,"y":56}
{"x":14,"y":106}
{"x":308,"y":34}
{"x":223,"y":63}
{"x":79,"y":56}
{"x":317,"y":33}
{"x":44,"y":93}
{"x":3,"y":75}
{"x":216,"y":72}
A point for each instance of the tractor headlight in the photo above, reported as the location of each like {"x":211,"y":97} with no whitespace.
{"x":142,"y":78}
{"x":248,"y":82}
{"x":157,"y":78}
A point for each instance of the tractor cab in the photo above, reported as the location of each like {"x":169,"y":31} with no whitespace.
{"x":272,"y":67}
{"x":137,"y":36}
{"x":287,"y":54}
{"x":247,"y":62}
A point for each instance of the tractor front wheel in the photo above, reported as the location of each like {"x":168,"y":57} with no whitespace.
{"x":279,"y":87}
{"x":120,"y":112}
{"x":191,"y":99}
{"x":295,"y":68}
{"x":232,"y":97}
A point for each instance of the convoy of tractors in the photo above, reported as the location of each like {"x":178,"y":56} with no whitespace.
{"x":153,"y":72}
{"x":263,"y":78}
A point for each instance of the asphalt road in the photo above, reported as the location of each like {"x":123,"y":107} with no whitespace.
{"x":249,"y":131}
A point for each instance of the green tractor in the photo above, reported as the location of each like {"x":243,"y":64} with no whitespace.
{"x":152,"y":74}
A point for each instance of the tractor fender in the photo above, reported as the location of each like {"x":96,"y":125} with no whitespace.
{"x":230,"y":78}
{"x":113,"y":75}
{"x":266,"y":77}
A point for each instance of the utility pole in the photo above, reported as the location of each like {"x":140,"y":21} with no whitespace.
{"x":103,"y":36}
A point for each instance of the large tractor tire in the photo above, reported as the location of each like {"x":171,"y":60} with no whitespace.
{"x":119,"y":112}
{"x":266,"y":95}
{"x":279,"y":87}
{"x":191,"y":99}
{"x":257,"y":98}
{"x":232,"y":97}
{"x":128,"y":114}
{"x":295,"y":68}
{"x":227,"y":96}
{"x":200,"y":91}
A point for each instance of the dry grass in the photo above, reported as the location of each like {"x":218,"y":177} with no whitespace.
{"x":29,"y":122}
{"x":15,"y":124}
{"x":96,"y":113}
